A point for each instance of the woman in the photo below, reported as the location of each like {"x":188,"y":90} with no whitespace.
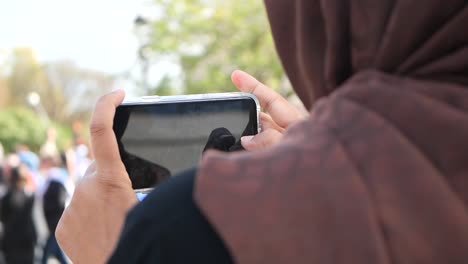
{"x":16,"y":215}
{"x":377,"y":173}
{"x":57,"y":192}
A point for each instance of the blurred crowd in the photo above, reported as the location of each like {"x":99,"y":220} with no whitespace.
{"x":35,"y":188}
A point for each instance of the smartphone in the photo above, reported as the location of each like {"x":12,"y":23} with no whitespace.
{"x":158,"y":137}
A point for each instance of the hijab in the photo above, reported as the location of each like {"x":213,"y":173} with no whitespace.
{"x":378,"y":173}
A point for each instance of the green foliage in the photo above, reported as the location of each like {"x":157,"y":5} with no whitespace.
{"x":210,"y":39}
{"x":19,"y":125}
{"x":26,"y":75}
{"x":67,"y":91}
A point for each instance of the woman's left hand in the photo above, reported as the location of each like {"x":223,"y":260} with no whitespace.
{"x":90,"y":226}
{"x":281,"y":113}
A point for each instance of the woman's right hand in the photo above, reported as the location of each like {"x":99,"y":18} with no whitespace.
{"x":280,"y":113}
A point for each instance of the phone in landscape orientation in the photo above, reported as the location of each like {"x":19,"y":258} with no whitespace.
{"x":159,"y":137}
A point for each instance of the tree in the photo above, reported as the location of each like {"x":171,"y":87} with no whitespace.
{"x":77,"y":89}
{"x":209,"y":39}
{"x":67,"y":91}
{"x":24,"y":74}
{"x":20,"y":125}
{"x":4,"y":92}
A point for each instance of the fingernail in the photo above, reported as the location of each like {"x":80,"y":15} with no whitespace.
{"x":246,"y":139}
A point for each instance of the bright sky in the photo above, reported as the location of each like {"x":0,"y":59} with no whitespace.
{"x":97,"y":34}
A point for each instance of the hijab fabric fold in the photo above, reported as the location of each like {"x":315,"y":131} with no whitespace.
{"x":378,"y":173}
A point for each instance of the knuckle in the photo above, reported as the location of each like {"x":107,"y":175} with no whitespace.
{"x":270,"y":137}
{"x":269,"y":102}
{"x":264,"y":144}
{"x":97,"y":128}
{"x":106,"y":180}
{"x":110,"y":183}
{"x":270,"y":133}
{"x":256,"y":87}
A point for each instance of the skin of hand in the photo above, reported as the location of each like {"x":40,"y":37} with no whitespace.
{"x":90,"y":226}
{"x":281,"y":113}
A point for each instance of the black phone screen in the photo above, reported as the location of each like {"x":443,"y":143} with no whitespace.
{"x":159,"y":140}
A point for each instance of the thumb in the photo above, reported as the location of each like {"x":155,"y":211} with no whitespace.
{"x":103,"y":140}
{"x":265,"y":139}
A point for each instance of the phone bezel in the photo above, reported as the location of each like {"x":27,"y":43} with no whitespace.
{"x":152,"y":100}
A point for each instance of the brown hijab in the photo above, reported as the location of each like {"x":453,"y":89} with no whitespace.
{"x":379,"y":171}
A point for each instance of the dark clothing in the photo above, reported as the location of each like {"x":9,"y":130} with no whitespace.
{"x":2,"y":176}
{"x":20,"y":232}
{"x":167,"y":227}
{"x":54,"y":204}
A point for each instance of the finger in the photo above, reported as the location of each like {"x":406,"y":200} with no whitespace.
{"x":261,"y":141}
{"x":103,"y":141}
{"x":279,"y":108}
{"x":268,"y":123}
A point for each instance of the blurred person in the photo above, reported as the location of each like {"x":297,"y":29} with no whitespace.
{"x":82,"y":160}
{"x":82,"y":153}
{"x":11,"y":161}
{"x":2,"y":153}
{"x":2,"y":156}
{"x":49,"y":149}
{"x":4,"y":169}
{"x":32,"y":163}
{"x":2,"y":193}
{"x":377,"y":173}
{"x":16,"y":215}
{"x":57,"y":192}
{"x":77,"y":159}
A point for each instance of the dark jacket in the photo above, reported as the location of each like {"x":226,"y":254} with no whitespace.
{"x":19,"y":230}
{"x":54,"y":204}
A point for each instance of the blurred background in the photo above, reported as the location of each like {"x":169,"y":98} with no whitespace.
{"x":58,"y":56}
